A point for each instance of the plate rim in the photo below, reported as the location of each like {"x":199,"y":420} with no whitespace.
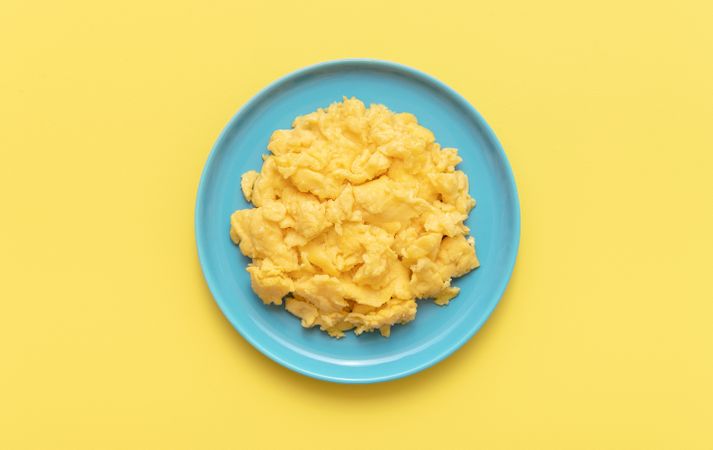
{"x":367,"y":63}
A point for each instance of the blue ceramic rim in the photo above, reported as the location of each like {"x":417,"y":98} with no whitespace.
{"x":426,"y":79}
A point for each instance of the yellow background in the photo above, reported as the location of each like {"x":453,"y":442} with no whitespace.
{"x":109,"y":338}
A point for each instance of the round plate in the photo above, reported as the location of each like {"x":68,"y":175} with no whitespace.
{"x":437,"y":331}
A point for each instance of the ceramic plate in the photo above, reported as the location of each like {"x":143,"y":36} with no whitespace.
{"x":437,"y":331}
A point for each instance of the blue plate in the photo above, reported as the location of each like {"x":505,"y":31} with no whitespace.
{"x":437,"y":331}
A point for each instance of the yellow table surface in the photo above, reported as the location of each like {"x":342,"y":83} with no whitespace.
{"x":109,"y":338}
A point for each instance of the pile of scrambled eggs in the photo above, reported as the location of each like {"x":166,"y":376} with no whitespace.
{"x":358,"y":213}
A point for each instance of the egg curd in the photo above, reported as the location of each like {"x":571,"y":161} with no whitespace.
{"x":358,"y":213}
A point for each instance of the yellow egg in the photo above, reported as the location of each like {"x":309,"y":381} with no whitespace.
{"x":358,"y":213}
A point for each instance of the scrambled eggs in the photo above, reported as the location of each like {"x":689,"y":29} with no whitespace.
{"x":358,"y":213}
